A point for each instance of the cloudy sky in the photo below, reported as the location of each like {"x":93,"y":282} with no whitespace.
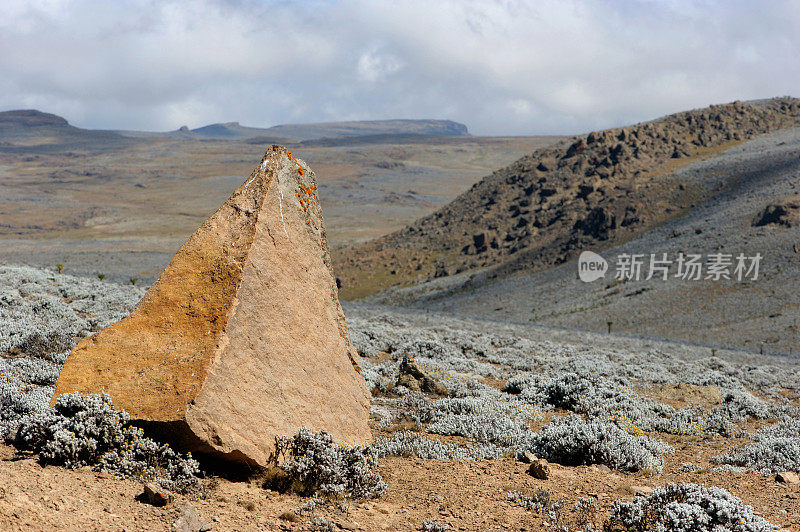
{"x":501,"y":67}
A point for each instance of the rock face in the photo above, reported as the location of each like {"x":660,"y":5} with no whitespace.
{"x":413,"y":378}
{"x":785,"y":212}
{"x":242,"y":338}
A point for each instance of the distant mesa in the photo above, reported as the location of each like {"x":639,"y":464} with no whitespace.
{"x":31,"y":118}
{"x":369,"y":127}
{"x":304,"y":132}
{"x":242,"y":337}
{"x":19,"y":120}
{"x":226,"y":130}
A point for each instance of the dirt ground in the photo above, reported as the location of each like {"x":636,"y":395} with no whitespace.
{"x":467,"y":495}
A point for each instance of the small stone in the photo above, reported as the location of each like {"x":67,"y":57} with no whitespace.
{"x":346,"y":525}
{"x":157,"y":495}
{"x":642,"y":491}
{"x":787,"y":477}
{"x":601,"y":468}
{"x":528,"y":458}
{"x":540,"y":469}
{"x":189,"y":521}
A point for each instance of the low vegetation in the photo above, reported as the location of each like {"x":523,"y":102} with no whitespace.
{"x":688,"y":507}
{"x":506,"y":395}
{"x":315,"y":465}
{"x":86,"y":430}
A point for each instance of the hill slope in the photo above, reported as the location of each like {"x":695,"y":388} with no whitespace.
{"x":24,"y":128}
{"x":589,"y":191}
{"x":754,"y":209}
{"x":30,"y":118}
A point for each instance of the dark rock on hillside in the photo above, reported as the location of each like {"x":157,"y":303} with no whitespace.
{"x":413,"y":378}
{"x":786,"y":212}
{"x":598,"y":223}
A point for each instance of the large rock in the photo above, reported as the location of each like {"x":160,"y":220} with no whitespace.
{"x":242,"y":338}
{"x":785,"y":212}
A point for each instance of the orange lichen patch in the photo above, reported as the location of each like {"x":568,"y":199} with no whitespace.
{"x":299,"y":167}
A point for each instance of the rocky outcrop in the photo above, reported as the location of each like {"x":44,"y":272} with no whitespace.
{"x":785,"y":212}
{"x":412,"y":377}
{"x":242,"y":337}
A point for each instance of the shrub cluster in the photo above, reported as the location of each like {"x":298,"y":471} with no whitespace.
{"x":19,"y":399}
{"x":538,"y":502}
{"x":784,"y":429}
{"x":77,"y":431}
{"x":613,"y":400}
{"x":86,"y":430}
{"x":42,"y":312}
{"x":686,"y":508}
{"x":571,"y":440}
{"x":467,"y":347}
{"x":488,"y":417}
{"x":770,"y":454}
{"x":420,"y":446}
{"x":431,"y":525}
{"x":315,"y":464}
{"x":320,"y":524}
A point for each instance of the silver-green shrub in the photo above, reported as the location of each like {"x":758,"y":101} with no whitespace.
{"x":770,"y":454}
{"x":420,"y":446}
{"x":686,"y":508}
{"x":537,"y":502}
{"x":41,"y":312}
{"x":784,"y":429}
{"x":571,"y":440}
{"x":431,"y":525}
{"x":77,"y":431}
{"x":84,"y":430}
{"x":19,"y":399}
{"x":315,"y":464}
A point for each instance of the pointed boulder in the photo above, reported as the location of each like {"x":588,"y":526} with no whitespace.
{"x":242,"y":338}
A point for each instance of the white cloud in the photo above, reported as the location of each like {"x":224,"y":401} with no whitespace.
{"x":375,"y":65}
{"x":501,"y":67}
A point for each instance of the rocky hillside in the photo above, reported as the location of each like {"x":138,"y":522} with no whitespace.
{"x":588,"y":191}
{"x":754,"y":208}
